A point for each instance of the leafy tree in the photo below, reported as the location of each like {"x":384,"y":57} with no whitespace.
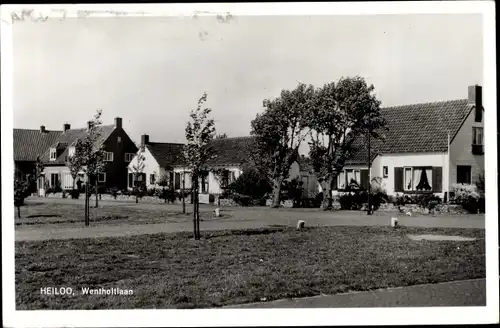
{"x":251,"y":183}
{"x":200,"y":130}
{"x":164,"y":183}
{"x":22,"y":189}
{"x":341,"y":112}
{"x":279,"y":132}
{"x":89,"y":156}
{"x":138,"y":169}
{"x":75,"y":167}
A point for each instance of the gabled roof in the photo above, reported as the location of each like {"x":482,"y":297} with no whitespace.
{"x":166,"y":154}
{"x":29,"y":144}
{"x":68,"y":138}
{"x":415,"y":129}
{"x":231,"y":151}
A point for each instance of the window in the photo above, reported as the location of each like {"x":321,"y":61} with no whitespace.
{"x":463,"y":174}
{"x":119,"y":139}
{"x":177,"y":180}
{"x":53,"y":154}
{"x":131,"y":183}
{"x":71,"y":151}
{"x":417,"y":178}
{"x":233,"y":177}
{"x":341,"y":180}
{"x":477,"y":136}
{"x":152,"y":179}
{"x":101,"y":177}
{"x":349,"y":178}
{"x":54,"y":180}
{"x":385,"y":171}
{"x":108,"y":156}
{"x":129,"y":157}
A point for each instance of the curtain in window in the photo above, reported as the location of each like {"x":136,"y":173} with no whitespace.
{"x":350,"y":176}
{"x":357,"y":177}
{"x":341,"y":180}
{"x":417,"y":175}
{"x":428,"y":172}
{"x":422,"y":179}
{"x":408,"y":181}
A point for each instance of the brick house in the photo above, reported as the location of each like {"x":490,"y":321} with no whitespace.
{"x":28,"y":146}
{"x":427,"y":148}
{"x":119,"y":148}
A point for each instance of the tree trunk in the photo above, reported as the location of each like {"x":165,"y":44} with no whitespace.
{"x":19,"y":212}
{"x":183,"y":195}
{"x":326,"y":204}
{"x":96,"y":192}
{"x":86,"y":204}
{"x":277,"y":192}
{"x":195,"y":210}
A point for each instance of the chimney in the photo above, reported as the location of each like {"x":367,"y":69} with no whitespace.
{"x":66,"y":127}
{"x":476,"y":96}
{"x":42,"y":128}
{"x":118,"y":122}
{"x":144,"y":139}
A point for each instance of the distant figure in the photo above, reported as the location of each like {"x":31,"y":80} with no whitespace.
{"x":79,"y":184}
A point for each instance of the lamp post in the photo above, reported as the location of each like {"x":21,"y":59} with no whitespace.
{"x":369,"y":211}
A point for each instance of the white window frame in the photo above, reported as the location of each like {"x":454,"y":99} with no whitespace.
{"x":53,"y":154}
{"x":119,"y":139}
{"x":405,"y":184}
{"x":129,"y":157}
{"x":384,"y":173}
{"x":99,"y":177}
{"x":71,"y":151}
{"x":106,"y":154}
{"x":474,"y":135}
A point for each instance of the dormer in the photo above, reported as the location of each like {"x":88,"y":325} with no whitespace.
{"x":53,"y":154}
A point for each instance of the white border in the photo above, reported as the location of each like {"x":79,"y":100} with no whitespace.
{"x":251,"y":317}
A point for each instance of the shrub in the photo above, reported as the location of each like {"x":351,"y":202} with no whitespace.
{"x":429,"y":201}
{"x":75,"y":193}
{"x":468,"y":196}
{"x":64,"y":195}
{"x":243,"y":200}
{"x":318,"y":199}
{"x":292,"y":190}
{"x":114,"y":192}
{"x":250,"y":183}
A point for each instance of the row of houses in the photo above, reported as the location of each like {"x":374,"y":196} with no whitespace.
{"x":427,"y":148}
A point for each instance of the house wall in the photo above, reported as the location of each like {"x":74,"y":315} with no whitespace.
{"x":116,"y":171}
{"x":151,"y":166}
{"x":461,"y":150}
{"x":64,"y":176}
{"x":213,"y":185}
{"x":408,"y":159}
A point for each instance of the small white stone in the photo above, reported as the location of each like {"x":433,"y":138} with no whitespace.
{"x":217,"y":212}
{"x":300,"y":224}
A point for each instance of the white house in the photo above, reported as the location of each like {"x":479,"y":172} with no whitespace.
{"x":427,"y":148}
{"x":232,"y":155}
{"x":159,"y":160}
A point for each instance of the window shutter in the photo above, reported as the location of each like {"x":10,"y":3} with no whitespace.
{"x":398,"y":179}
{"x":364,"y":179}
{"x":437,"y":179}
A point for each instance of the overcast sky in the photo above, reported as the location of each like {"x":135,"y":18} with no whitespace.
{"x":151,"y":71}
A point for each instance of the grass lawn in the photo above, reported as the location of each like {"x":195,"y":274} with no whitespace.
{"x":61,"y":215}
{"x":232,"y":267}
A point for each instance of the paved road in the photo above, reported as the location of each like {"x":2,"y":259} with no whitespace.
{"x":239,"y":218}
{"x":456,"y":293}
